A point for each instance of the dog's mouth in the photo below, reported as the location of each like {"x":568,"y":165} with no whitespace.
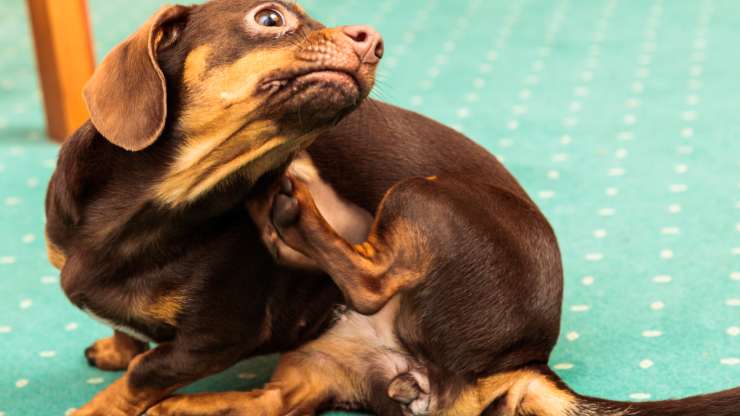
{"x":296,"y":81}
{"x":319,"y":92}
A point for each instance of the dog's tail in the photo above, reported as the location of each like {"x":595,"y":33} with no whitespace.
{"x":540,"y":392}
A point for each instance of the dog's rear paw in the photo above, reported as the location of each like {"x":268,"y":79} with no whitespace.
{"x":414,"y":399}
{"x":113,"y":353}
{"x":294,"y":213}
{"x":404,"y":389}
{"x":286,"y":209}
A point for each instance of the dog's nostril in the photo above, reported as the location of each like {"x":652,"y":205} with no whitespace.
{"x":358,"y":34}
{"x":367,"y":42}
{"x":361,"y":37}
{"x":380,"y":49}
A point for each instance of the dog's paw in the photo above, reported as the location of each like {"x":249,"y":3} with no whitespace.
{"x":286,"y":208}
{"x":283,"y":253}
{"x":404,"y":389}
{"x":411,"y":391}
{"x":111,"y":354}
{"x":294,"y":213}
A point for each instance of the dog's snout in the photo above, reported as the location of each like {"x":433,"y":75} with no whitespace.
{"x":367,"y":42}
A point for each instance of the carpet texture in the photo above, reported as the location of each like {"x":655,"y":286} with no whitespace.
{"x":621,"y":118}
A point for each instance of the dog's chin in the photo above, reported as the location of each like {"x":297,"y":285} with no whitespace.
{"x":318,"y":98}
{"x":324,"y":96}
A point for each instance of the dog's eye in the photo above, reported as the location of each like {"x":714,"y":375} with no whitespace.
{"x":269,"y":18}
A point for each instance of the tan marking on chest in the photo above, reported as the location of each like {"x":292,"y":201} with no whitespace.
{"x":162,"y":309}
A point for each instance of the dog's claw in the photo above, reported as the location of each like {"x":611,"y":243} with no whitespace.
{"x":286,"y":186}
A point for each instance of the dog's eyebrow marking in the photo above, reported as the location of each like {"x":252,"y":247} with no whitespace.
{"x":292,"y":5}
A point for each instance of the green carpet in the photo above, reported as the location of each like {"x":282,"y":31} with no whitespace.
{"x":621,"y":118}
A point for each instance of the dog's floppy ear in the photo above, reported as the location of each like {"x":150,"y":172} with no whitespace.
{"x":127,"y":95}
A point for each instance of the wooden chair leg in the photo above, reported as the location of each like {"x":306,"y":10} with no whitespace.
{"x":65,"y":59}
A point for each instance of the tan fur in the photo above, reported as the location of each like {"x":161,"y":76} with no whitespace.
{"x":163,"y":308}
{"x":116,"y":352}
{"x":55,"y":255}
{"x":332,"y":368}
{"x":409,"y":247}
{"x":365,"y":249}
{"x":120,"y":399}
{"x":301,"y":383}
{"x":527,"y":392}
{"x":221,"y":119}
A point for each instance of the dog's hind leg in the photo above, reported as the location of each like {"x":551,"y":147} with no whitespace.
{"x":394,"y":257}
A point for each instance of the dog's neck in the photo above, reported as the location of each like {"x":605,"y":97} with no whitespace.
{"x":108,"y":191}
{"x":207,"y":162}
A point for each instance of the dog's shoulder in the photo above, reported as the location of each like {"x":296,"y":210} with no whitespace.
{"x":71,"y":180}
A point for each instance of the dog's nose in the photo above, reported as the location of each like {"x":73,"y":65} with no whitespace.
{"x":367,"y":42}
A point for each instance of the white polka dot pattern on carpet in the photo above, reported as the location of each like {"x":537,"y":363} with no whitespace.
{"x":619,"y":117}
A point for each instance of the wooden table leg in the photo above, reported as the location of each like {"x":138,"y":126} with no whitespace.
{"x":65,"y":59}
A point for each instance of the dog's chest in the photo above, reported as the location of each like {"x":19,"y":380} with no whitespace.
{"x":142,"y":312}
{"x":128,"y":330}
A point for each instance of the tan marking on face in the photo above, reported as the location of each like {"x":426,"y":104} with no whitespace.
{"x":222,"y":99}
{"x":225,"y":132}
{"x":55,"y":255}
{"x":527,"y":392}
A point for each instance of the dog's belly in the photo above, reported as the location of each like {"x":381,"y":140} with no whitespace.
{"x":373,"y":343}
{"x":368,"y":351}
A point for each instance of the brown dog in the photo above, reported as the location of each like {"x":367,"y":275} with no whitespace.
{"x":213,"y":102}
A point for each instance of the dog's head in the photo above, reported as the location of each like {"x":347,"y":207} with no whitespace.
{"x":232,"y":85}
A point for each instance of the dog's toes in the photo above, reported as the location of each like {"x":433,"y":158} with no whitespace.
{"x":404,"y":389}
{"x":411,"y":390}
{"x":285,"y":211}
{"x":286,"y":186}
{"x":108,"y":355}
{"x":421,"y":406}
{"x":90,"y":356}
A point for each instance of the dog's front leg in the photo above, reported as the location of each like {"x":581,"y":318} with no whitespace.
{"x":156,"y":374}
{"x":114,"y":353}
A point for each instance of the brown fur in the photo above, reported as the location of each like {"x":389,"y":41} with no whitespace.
{"x":147,"y":219}
{"x":138,"y":55}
